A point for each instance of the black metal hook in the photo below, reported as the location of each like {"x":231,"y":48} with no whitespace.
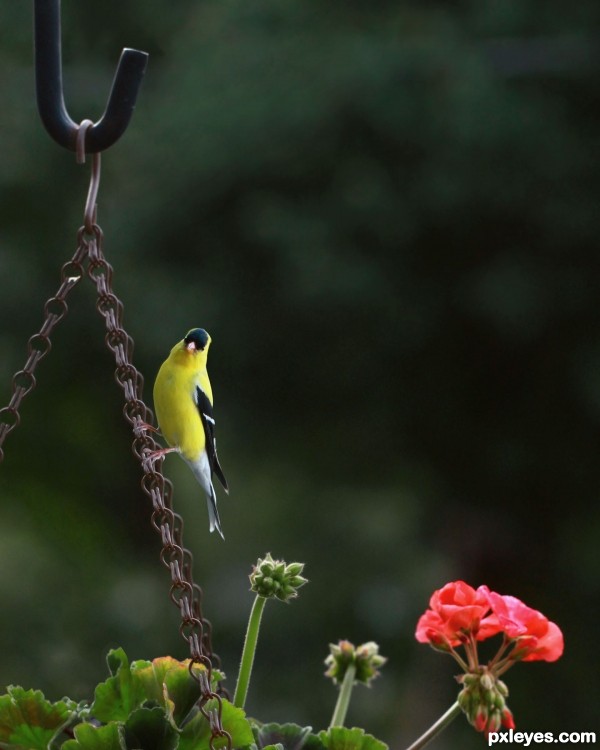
{"x":49,"y":89}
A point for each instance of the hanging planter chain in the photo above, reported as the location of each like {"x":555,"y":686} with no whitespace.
{"x":89,"y":260}
{"x":38,"y":346}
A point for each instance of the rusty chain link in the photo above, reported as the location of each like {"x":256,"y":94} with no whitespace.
{"x":186,"y":595}
{"x":39,"y":345}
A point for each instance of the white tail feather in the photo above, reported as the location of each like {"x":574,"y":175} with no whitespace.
{"x":201,"y":469}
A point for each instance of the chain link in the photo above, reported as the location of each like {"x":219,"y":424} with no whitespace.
{"x":39,"y":345}
{"x":185,"y":594}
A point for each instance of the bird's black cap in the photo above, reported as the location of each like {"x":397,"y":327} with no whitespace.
{"x":198,"y":337}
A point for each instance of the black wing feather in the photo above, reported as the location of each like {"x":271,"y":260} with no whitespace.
{"x":208,"y":422}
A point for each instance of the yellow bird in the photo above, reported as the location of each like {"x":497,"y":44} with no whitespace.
{"x":183,"y":403}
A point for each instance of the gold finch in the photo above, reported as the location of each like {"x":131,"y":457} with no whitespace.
{"x":183,"y":402}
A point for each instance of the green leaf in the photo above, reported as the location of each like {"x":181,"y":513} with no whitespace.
{"x":90,"y":737}
{"x":170,"y":684}
{"x":29,"y":721}
{"x":289,"y":736}
{"x":342,"y":738}
{"x":196,"y":733}
{"x":150,"y":729}
{"x":120,"y":694}
{"x":165,"y":680}
{"x":115,"y":659}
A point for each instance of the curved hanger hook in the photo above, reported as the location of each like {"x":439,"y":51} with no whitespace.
{"x":49,"y":88}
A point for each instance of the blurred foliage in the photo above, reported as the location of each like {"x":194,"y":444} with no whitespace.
{"x":386,"y":215}
{"x":145,"y":704}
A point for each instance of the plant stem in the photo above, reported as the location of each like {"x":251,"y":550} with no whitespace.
{"x":241,"y":689}
{"x":343,"y":701}
{"x":437,"y":728}
{"x":462,"y":663}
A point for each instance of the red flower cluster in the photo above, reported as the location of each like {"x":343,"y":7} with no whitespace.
{"x":460,"y":614}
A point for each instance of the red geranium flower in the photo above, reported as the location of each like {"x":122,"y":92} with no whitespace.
{"x":457,"y":611}
{"x":460,"y":615}
{"x":538,"y":639}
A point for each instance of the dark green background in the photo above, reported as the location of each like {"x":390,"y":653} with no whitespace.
{"x":386,"y":215}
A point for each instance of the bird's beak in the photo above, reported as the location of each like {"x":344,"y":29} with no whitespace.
{"x":191,"y":347}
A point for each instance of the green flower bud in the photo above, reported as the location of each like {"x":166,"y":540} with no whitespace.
{"x":279,"y":569}
{"x":502,"y":688}
{"x":464,"y":700}
{"x":365,"y":658}
{"x":474,"y":704}
{"x":499,"y":700}
{"x":470,"y":679}
{"x":295,"y":568}
{"x":274,"y":578}
{"x":296,"y":581}
{"x":489,"y":698}
{"x":483,"y":700}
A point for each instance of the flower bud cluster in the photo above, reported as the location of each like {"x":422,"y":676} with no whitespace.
{"x":275,"y":579}
{"x":483,"y":699}
{"x":365,"y":658}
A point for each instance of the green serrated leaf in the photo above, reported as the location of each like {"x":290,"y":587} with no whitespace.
{"x":29,"y":721}
{"x":165,"y":680}
{"x":289,"y":736}
{"x":150,"y":729}
{"x":196,"y":733}
{"x":115,"y":659}
{"x":90,"y":737}
{"x":120,"y":694}
{"x":170,"y":683}
{"x":32,"y":738}
{"x":278,"y":746}
{"x":342,"y":738}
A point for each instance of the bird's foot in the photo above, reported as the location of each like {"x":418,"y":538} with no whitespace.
{"x":151,"y":457}
{"x":140,"y":428}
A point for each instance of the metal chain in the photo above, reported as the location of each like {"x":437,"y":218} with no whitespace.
{"x":39,"y":345}
{"x":195,"y":629}
{"x":184,"y":593}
